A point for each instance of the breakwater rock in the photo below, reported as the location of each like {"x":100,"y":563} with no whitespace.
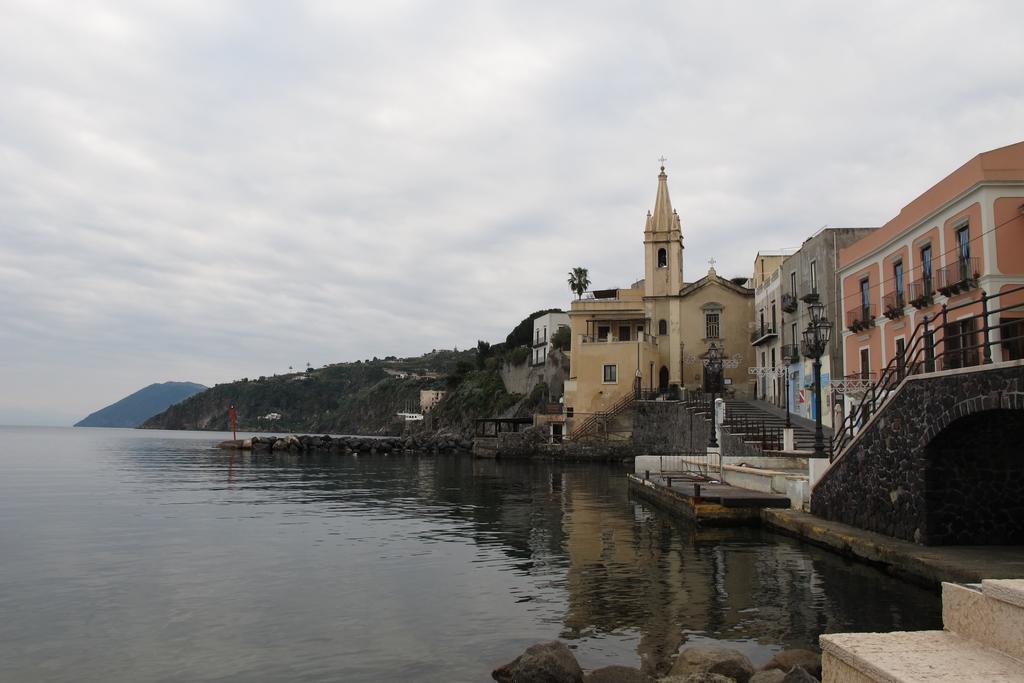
{"x":440,"y":442}
{"x":554,"y":662}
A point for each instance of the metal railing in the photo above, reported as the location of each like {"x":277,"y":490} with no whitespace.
{"x":920,"y":292}
{"x":893,"y":305}
{"x":755,"y":430}
{"x":612,"y":339}
{"x":860,"y":318}
{"x":959,"y":277}
{"x":790,"y":303}
{"x":938,"y":342}
{"x":791,"y":351}
{"x":762,"y":332}
{"x":602,"y":418}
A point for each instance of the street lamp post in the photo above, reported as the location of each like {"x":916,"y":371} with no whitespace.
{"x":816,"y":338}
{"x":714,"y":366}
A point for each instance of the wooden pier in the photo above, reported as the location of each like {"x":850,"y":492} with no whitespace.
{"x":709,"y":503}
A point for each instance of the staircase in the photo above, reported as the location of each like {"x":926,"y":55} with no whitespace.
{"x":982,"y":640}
{"x":591,"y":427}
{"x":744,"y":412}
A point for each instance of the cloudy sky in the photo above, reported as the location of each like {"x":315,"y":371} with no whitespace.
{"x":208,"y":190}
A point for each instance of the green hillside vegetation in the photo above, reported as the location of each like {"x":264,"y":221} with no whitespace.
{"x":346,"y":398}
{"x":363,"y":397}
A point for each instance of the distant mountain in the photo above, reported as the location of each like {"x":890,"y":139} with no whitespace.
{"x":132,"y":411}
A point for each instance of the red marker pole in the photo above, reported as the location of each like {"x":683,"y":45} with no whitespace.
{"x":233,"y":416}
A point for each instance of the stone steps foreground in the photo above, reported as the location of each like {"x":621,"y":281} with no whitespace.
{"x":982,"y":640}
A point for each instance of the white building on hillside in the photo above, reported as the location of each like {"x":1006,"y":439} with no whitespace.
{"x":544,"y":327}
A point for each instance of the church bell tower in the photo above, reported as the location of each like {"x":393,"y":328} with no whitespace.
{"x":663,"y":245}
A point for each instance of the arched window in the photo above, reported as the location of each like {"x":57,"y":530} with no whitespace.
{"x":662,"y":258}
{"x":662,"y":327}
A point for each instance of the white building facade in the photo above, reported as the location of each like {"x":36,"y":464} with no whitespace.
{"x":544,"y":327}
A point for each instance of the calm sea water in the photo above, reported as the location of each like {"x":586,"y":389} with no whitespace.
{"x":151,"y":556}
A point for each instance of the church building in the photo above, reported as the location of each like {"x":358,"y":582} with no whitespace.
{"x":658,"y":331}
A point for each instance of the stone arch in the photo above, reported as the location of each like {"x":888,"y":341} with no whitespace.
{"x":974,"y":480}
{"x":662,"y":327}
{"x":662,"y":258}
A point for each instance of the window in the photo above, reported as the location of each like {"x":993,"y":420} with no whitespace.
{"x":773,"y":359}
{"x":963,"y":242}
{"x":901,"y":352}
{"x":793,"y":339}
{"x":865,"y":296}
{"x":865,"y":364}
{"x":545,"y":333}
{"x":897,"y":277}
{"x":711,"y":323}
{"x":623,"y":332}
{"x":926,"y":263}
{"x":792,"y":283}
{"x":1011,"y":336}
{"x":602,"y":333}
{"x":662,"y":258}
{"x":774,"y":326}
{"x":662,"y":327}
{"x":611,"y":374}
{"x":814,"y":277}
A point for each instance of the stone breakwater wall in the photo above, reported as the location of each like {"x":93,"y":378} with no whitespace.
{"x":532,"y":443}
{"x":431,"y":443}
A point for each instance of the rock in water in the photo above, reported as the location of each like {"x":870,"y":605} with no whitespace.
{"x":616,"y":674}
{"x":798,"y":675}
{"x":787,"y":659}
{"x":715,"y":660}
{"x":698,"y":678}
{"x":541,"y":663}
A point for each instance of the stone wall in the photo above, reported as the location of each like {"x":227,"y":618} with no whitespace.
{"x":975,"y":481}
{"x":881,"y":481}
{"x":532,"y":443}
{"x":667,"y":427}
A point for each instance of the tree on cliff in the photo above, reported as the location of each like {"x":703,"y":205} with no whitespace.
{"x":579,"y":280}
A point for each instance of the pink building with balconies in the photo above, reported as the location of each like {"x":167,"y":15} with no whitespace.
{"x":961,"y":238}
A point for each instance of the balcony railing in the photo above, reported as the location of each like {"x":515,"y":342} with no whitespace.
{"x":639,"y":336}
{"x":920,"y":292}
{"x":762,"y":333}
{"x":959,"y":277}
{"x":893,"y":305}
{"x":790,"y":303}
{"x":810,"y":292}
{"x":791,"y":351}
{"x":860,"y":318}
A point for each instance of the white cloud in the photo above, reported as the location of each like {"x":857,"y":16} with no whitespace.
{"x":201,"y":192}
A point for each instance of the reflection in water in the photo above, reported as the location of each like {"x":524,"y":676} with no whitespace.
{"x":191,"y":563}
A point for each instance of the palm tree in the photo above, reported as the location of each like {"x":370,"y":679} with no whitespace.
{"x":579,"y":281}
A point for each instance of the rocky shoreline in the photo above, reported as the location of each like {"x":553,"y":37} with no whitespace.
{"x":554,"y":662}
{"x":439,"y":442}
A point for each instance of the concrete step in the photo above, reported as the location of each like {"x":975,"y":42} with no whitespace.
{"x":982,"y":640}
{"x":913,"y":657}
{"x":792,"y":483}
{"x":992,"y":615}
